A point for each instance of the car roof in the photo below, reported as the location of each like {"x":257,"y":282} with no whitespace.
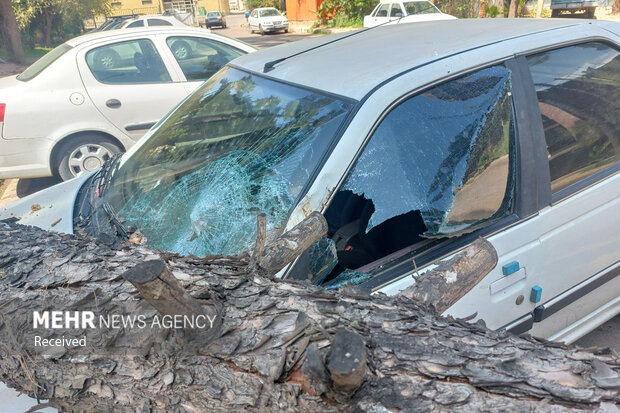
{"x":103,"y":35}
{"x":359,"y":61}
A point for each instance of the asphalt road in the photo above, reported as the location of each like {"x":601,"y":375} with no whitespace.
{"x":237,"y":27}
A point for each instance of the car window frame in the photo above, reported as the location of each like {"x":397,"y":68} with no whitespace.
{"x":177,"y":66}
{"x":392,"y":8}
{"x":379,"y":7}
{"x":527,"y":182}
{"x":591,"y":180}
{"x":171,"y":67}
{"x":164,"y":23}
{"x":137,"y":23}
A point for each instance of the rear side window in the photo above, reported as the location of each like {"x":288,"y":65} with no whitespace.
{"x":200,"y":58}
{"x":46,"y":60}
{"x":383,"y":10}
{"x":159,"y":22}
{"x":135,"y":61}
{"x":578,"y":89}
{"x":137,"y":23}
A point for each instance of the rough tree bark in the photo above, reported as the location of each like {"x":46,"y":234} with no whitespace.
{"x":280,"y":345}
{"x":11,"y":31}
{"x":512,"y":9}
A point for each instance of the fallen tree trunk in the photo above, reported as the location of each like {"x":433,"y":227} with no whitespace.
{"x":276,"y":345}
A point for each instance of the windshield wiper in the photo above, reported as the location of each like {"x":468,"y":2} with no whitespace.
{"x":90,"y":215}
{"x":113,"y":220}
{"x":102,"y":178}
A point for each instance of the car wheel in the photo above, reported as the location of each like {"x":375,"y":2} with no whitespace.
{"x":107,"y":59}
{"x":181,"y":50}
{"x":224,"y":26}
{"x":260,"y":29}
{"x":84,"y":154}
{"x":285,"y":30}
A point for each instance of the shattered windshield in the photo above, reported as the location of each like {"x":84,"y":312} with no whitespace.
{"x":240,"y":146}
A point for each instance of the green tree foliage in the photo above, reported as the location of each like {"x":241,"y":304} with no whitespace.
{"x":348,"y":12}
{"x":254,"y":4}
{"x":54,"y":21}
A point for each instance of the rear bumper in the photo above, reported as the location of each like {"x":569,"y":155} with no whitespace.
{"x":24,"y":158}
{"x":567,"y":5}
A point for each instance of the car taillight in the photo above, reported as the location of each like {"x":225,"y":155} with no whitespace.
{"x":2,"y":108}
{"x":220,"y":19}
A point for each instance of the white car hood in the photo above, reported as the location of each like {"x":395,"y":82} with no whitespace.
{"x":9,"y":81}
{"x":50,"y":209}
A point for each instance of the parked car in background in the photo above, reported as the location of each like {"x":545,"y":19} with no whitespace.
{"x":573,"y":8}
{"x":267,"y":19}
{"x":113,"y":21}
{"x":496,"y":128}
{"x":95,"y":95}
{"x":213,"y":19}
{"x":149,"y":21}
{"x":404,"y":12}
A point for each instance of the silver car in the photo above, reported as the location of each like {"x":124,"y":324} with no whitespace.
{"x":419,"y":139}
{"x":95,"y":95}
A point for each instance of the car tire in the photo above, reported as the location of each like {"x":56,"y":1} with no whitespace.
{"x":181,"y":50}
{"x":285,"y":30}
{"x":107,"y":59}
{"x":84,"y":154}
{"x":224,"y":26}
{"x":260,"y":29}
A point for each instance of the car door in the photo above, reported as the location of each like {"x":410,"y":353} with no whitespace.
{"x":380,"y":15}
{"x":200,"y":58}
{"x":578,"y":96}
{"x":443,"y":167}
{"x":385,"y":236}
{"x":130,"y":83}
{"x":253,"y":19}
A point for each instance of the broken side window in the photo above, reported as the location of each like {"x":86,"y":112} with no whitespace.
{"x":439,"y":164}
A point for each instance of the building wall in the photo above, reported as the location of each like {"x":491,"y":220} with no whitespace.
{"x":213,"y":5}
{"x":302,"y":9}
{"x":123,"y":7}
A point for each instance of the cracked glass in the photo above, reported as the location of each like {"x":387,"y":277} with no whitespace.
{"x":240,"y":146}
{"x":444,"y":153}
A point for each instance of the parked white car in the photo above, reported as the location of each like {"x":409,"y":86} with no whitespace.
{"x":95,"y":95}
{"x":404,"y":12}
{"x":267,"y":19}
{"x":150,"y":21}
{"x":504,"y":129}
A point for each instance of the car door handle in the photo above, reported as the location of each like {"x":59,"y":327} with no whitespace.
{"x":113,"y":103}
